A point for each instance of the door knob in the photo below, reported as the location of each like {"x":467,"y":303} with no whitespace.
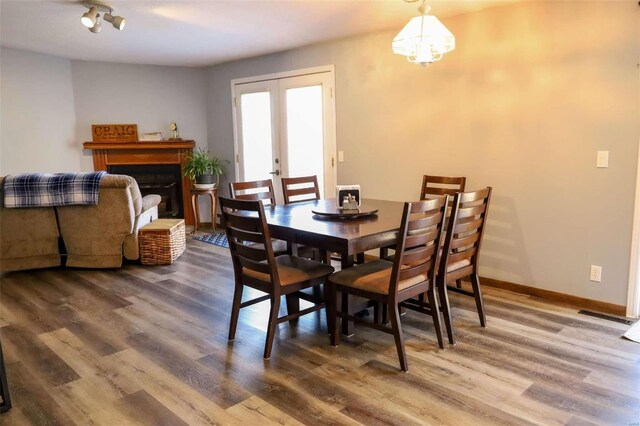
{"x":277,"y":173}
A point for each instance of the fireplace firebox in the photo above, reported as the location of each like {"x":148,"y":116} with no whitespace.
{"x":161,"y":179}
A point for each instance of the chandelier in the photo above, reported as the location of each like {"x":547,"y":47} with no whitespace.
{"x":424,"y":39}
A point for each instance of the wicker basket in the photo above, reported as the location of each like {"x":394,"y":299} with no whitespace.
{"x":162,"y":241}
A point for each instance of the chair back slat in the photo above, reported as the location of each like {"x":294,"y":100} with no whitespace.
{"x":437,"y":191}
{"x":473,"y":196}
{"x":299,"y":189}
{"x":467,"y":225}
{"x":254,"y":190}
{"x":249,"y":238}
{"x":255,"y":196}
{"x":411,"y":257}
{"x":242,"y":222}
{"x":413,"y":271}
{"x":441,"y":185}
{"x":251,"y":252}
{"x":246,"y":236}
{"x":424,"y":222}
{"x":418,"y":241}
{"x":465,"y":228}
{"x":465,"y":241}
{"x":472,"y":211}
{"x":462,"y":255}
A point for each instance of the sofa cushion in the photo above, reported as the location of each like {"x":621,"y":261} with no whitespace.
{"x":24,"y":245}
{"x":93,"y":231}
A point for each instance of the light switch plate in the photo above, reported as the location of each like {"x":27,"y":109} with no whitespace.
{"x":340,"y":156}
{"x":602,"y":159}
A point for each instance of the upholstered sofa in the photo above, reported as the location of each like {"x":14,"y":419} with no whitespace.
{"x":94,"y":236}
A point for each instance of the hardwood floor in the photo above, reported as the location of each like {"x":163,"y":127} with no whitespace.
{"x":148,"y":345}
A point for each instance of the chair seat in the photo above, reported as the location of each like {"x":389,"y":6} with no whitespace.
{"x":372,"y":276}
{"x":293,"y":270}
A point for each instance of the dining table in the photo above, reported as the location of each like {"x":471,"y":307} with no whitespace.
{"x":348,"y":236}
{"x":297,"y":224}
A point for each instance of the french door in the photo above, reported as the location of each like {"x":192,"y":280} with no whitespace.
{"x":285,"y":127}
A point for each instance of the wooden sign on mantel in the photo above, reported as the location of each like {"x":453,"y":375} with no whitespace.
{"x":114,"y":132}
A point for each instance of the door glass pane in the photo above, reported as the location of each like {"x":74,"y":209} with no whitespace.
{"x":257,"y":154}
{"x":304,"y":133}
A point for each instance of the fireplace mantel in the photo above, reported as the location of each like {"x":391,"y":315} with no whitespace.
{"x":140,"y":145}
{"x":161,"y":152}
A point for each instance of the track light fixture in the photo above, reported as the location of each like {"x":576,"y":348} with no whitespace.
{"x":97,"y":27}
{"x":116,"y":21}
{"x":91,"y":19}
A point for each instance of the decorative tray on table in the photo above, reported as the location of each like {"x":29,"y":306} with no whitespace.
{"x":332,"y":212}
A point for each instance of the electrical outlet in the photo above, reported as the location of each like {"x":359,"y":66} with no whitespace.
{"x":596,"y":273}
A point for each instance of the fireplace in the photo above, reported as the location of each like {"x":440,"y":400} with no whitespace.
{"x":164,"y":180}
{"x":157,"y":166}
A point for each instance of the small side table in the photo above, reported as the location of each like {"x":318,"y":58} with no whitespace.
{"x":213,"y":193}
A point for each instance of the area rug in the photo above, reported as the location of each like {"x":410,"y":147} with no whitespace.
{"x":217,"y":239}
{"x":633,"y":333}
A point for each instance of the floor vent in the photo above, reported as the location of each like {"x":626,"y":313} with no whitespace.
{"x":606,"y":317}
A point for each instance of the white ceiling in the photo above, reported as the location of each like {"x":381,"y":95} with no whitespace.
{"x":198,"y":33}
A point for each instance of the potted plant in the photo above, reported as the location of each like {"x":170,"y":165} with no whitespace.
{"x":204,"y":168}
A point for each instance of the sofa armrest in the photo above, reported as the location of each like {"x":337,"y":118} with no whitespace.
{"x":148,"y":214}
{"x":149,"y":201}
{"x":131,"y":249}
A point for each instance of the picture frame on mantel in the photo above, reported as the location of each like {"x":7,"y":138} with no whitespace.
{"x":114,"y":133}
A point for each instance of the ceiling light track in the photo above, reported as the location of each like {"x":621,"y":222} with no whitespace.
{"x":91,"y":19}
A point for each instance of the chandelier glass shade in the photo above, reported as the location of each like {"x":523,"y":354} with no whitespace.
{"x":424,"y":40}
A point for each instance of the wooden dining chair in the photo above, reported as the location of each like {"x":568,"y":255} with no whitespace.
{"x":259,"y":190}
{"x":461,"y":251}
{"x":412,"y":272}
{"x":256,"y":266}
{"x":441,"y":185}
{"x":254,"y":190}
{"x":299,"y":189}
{"x":433,"y":186}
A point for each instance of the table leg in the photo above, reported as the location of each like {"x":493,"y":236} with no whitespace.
{"x":346,"y":260}
{"x":194,"y":205}
{"x":293,"y":306}
{"x":347,"y":326}
{"x":325,"y":256}
{"x":213,"y":212}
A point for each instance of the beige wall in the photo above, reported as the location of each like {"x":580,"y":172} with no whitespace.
{"x":532,"y":91}
{"x":149,"y":95}
{"x":49,"y":104}
{"x":37,"y":114}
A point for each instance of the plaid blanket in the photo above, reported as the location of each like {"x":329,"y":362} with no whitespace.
{"x":49,"y":190}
